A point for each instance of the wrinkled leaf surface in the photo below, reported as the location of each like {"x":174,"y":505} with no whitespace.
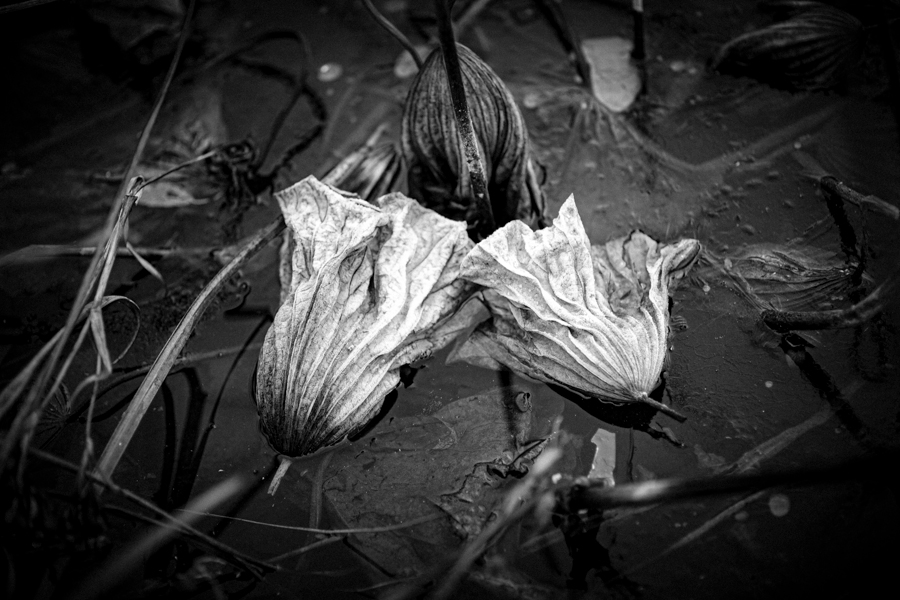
{"x":787,"y":277}
{"x":368,"y":290}
{"x":434,"y":151}
{"x":593,"y":319}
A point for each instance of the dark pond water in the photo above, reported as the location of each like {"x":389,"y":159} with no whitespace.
{"x":726,"y":160}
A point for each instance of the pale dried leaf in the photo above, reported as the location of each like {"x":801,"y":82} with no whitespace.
{"x":369,"y":289}
{"x":594,"y":320}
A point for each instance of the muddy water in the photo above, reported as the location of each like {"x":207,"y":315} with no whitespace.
{"x":727,"y":374}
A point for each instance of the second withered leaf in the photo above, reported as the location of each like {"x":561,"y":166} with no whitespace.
{"x":593,"y":319}
{"x":435,"y":155}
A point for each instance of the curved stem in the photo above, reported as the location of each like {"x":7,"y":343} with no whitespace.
{"x":395,"y":33}
{"x":463,"y":120}
{"x":663,"y":408}
{"x":284,"y":463}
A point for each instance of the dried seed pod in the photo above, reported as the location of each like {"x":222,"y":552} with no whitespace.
{"x":434,"y":151}
{"x":811,"y":50}
{"x":592,"y":319}
{"x":368,"y":290}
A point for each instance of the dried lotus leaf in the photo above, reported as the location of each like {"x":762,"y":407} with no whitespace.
{"x":370,"y":288}
{"x":594,"y":320}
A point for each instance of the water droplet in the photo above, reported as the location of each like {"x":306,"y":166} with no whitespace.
{"x":330,"y":72}
{"x":531,"y":100}
{"x":769,"y":384}
{"x":779,"y":504}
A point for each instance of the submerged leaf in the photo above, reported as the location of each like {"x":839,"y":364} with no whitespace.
{"x":592,"y":319}
{"x":454,"y":465}
{"x":811,"y":50}
{"x":434,"y":151}
{"x":786,"y":277}
{"x":369,"y":289}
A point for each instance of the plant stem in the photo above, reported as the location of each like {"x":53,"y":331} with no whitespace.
{"x":163,"y":364}
{"x":254,"y":566}
{"x":395,"y":33}
{"x":571,"y":43}
{"x":474,"y":163}
{"x":39,"y":392}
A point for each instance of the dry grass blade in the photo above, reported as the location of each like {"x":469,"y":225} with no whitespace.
{"x":170,"y":352}
{"x":11,"y":395}
{"x":12,"y":391}
{"x":747,"y":462}
{"x":697,"y":533}
{"x":521,"y":501}
{"x":769,"y":448}
{"x":316,"y":530}
{"x":43,"y":378}
{"x":130,"y":559}
{"x":254,"y":566}
{"x":23,"y":5}
{"x":168,"y":356}
{"x":36,"y":253}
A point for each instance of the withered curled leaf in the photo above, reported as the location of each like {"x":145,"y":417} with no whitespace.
{"x":787,"y":277}
{"x":435,"y":155}
{"x":591,"y":319}
{"x":368,"y":290}
{"x":811,"y":50}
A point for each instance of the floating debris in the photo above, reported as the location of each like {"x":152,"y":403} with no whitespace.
{"x":591,"y":319}
{"x":615,"y":79}
{"x":779,"y":505}
{"x":329,"y":72}
{"x":604,"y":464}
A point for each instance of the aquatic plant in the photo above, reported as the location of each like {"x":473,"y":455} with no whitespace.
{"x":788,"y":277}
{"x":812,"y":49}
{"x":591,"y":319}
{"x":435,"y":153}
{"x":366,"y":290}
